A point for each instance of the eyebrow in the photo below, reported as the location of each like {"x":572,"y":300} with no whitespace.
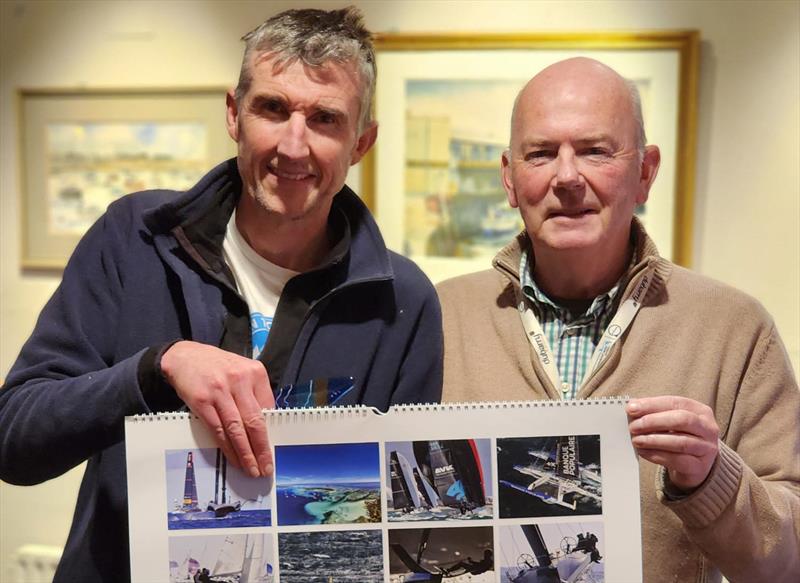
{"x":538,"y":144}
{"x":596,"y":139}
{"x":263,"y":98}
{"x":599,"y":138}
{"x":334,"y":111}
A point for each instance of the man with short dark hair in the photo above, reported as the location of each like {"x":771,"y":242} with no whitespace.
{"x":268,"y":275}
{"x":581,"y":305}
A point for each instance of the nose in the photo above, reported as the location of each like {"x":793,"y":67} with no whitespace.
{"x":567,"y":174}
{"x":293,"y":142}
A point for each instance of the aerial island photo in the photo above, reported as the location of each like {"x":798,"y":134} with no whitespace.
{"x":328,"y":484}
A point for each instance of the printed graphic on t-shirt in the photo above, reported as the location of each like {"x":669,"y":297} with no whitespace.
{"x":260,"y":326}
{"x":320,"y":392}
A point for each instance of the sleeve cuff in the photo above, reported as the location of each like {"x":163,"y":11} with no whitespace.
{"x":703,"y":506}
{"x":157,"y":392}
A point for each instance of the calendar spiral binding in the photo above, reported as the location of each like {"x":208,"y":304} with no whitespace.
{"x":471,"y":405}
{"x":363,"y":410}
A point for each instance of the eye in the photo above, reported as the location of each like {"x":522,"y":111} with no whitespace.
{"x":539,"y":156}
{"x":271,"y":107}
{"x":326,"y":118}
{"x":596,"y":152}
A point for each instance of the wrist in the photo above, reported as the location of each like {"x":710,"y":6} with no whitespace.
{"x":153,"y":384}
{"x":165,"y":359}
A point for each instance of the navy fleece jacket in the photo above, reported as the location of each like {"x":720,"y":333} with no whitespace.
{"x":145,"y":275}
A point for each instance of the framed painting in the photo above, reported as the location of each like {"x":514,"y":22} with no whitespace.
{"x":83,"y":149}
{"x":443,"y":104}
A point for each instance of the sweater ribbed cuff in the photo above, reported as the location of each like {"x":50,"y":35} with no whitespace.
{"x":151,"y":380}
{"x":707,"y":503}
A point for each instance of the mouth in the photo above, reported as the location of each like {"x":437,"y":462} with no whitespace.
{"x":290,"y":174}
{"x":571,"y":213}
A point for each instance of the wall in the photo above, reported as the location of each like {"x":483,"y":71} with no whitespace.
{"x":747,"y":203}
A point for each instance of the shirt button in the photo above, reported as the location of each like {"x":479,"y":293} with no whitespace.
{"x":565,"y":387}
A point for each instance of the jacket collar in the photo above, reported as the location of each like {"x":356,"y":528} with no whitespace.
{"x":197,"y":220}
{"x":645,"y":256}
{"x":220,"y":187}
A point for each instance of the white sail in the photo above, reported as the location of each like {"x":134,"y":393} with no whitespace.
{"x":230,"y":557}
{"x":252,"y":558}
{"x":183,"y":572}
{"x":408,"y":477}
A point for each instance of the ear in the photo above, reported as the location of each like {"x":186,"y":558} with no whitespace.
{"x":232,"y":115}
{"x":650,"y":164}
{"x":365,"y":142}
{"x":505,"y":176}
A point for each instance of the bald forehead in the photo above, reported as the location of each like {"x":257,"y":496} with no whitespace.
{"x":581,"y":68}
{"x":570,"y":80}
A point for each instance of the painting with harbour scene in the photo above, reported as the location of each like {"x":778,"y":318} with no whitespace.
{"x":444,"y":106}
{"x":90,"y":165}
{"x":455,"y":204}
{"x":83,"y":149}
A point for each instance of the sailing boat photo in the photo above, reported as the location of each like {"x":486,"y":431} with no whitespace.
{"x":549,"y":476}
{"x":441,"y":555}
{"x":242,"y":558}
{"x":221,"y":506}
{"x":561,"y":552}
{"x":203,"y":491}
{"x":439,"y":480}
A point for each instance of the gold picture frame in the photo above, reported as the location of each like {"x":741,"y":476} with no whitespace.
{"x":83,"y":148}
{"x":416,"y":70}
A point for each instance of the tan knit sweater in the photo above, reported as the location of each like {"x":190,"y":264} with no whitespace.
{"x":693,"y":337}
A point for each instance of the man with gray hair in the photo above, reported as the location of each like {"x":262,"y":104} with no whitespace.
{"x":267,"y":281}
{"x":581,"y":305}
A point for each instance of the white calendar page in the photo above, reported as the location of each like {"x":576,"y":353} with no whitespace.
{"x":481,"y":492}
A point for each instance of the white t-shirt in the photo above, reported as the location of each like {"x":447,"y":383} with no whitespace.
{"x":259,"y":281}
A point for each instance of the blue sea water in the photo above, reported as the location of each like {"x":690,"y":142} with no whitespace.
{"x":193,"y":520}
{"x":441,"y":513}
{"x":344,"y":557}
{"x":291,"y":507}
{"x":362,"y":485}
{"x":292,"y":501}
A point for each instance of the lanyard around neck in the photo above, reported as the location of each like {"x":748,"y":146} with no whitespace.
{"x":613,"y":332}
